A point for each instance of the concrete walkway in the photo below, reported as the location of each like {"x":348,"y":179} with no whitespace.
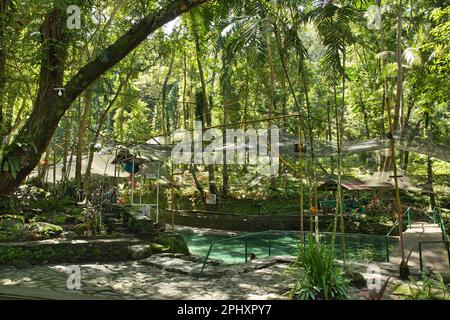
{"x":145,"y":279}
{"x":434,"y":255}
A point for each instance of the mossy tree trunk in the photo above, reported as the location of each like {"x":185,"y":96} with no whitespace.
{"x":3,"y":7}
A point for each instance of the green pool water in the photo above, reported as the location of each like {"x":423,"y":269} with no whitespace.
{"x":358,"y":246}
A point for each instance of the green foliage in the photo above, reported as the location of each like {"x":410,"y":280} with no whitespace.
{"x":13,"y":228}
{"x":92,"y":220}
{"x":64,"y":253}
{"x":431,"y":287}
{"x":316,"y":274}
{"x":172,"y":243}
{"x":243,"y":48}
{"x":46,"y":229}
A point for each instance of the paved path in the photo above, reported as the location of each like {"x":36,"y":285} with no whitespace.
{"x":139,"y":280}
{"x":435,"y":256}
{"x":167,"y":279}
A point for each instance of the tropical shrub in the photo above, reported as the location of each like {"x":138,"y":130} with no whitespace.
{"x":92,"y":220}
{"x":432,"y":287}
{"x":316,"y":274}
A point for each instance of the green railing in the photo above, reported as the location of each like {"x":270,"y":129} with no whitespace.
{"x":267,"y":241}
{"x":446,"y":243}
{"x":437,"y":215}
{"x":245,"y":239}
{"x":388,"y":235}
{"x":437,"y":218}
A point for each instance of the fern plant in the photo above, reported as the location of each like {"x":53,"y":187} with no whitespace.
{"x":9,"y":163}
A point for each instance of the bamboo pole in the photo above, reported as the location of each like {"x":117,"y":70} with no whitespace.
{"x":403,"y":263}
{"x":300,"y":146}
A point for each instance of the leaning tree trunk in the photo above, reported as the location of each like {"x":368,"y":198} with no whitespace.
{"x":49,"y":108}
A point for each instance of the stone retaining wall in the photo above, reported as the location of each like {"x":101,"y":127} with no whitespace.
{"x":75,"y":251}
{"x":255,"y":223}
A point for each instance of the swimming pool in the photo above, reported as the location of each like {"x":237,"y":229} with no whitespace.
{"x":264,"y":244}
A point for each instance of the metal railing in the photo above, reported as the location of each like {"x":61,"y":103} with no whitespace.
{"x":245,"y":238}
{"x":437,"y":218}
{"x":432,"y":242}
{"x":388,"y":235}
{"x":270,"y":236}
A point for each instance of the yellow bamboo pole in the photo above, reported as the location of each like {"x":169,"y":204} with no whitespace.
{"x":404,"y":271}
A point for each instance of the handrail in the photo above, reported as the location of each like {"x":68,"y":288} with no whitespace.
{"x":437,"y":216}
{"x":408,"y":211}
{"x":420,"y":251}
{"x":269,"y":238}
{"x":205,"y":261}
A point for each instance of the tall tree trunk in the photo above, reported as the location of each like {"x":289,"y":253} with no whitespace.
{"x":81,"y":137}
{"x":49,"y":108}
{"x":338,"y":111}
{"x":3,"y":10}
{"x":225,"y":87}
{"x":66,"y":146}
{"x":43,"y":168}
{"x":430,"y":182}
{"x":185,"y":107}
{"x":330,"y":135}
{"x":225,"y":177}
{"x":9,"y":114}
{"x":430,"y":167}
{"x":283,"y":99}
{"x":404,"y":271}
{"x":382,"y":65}
{"x":100,"y":123}
{"x":272,"y":105}
{"x":205,"y":111}
{"x":404,"y":131}
{"x":399,"y":95}
{"x":164,"y":117}
{"x":344,"y":58}
{"x":365,"y":117}
{"x":245,"y":111}
{"x":282,"y":55}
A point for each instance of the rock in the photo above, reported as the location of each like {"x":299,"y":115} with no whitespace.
{"x":141,"y":224}
{"x":174,"y":241}
{"x":357,"y":279}
{"x":47,"y":229}
{"x":140,"y":251}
